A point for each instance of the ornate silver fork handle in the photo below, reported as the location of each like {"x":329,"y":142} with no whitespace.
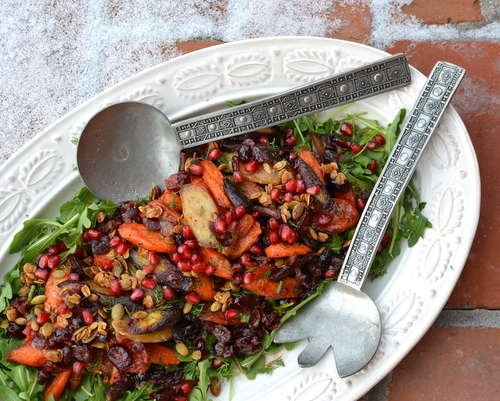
{"x":378,"y":77}
{"x":431,"y":104}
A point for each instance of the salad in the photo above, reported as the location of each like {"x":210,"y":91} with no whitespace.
{"x":170,"y":296}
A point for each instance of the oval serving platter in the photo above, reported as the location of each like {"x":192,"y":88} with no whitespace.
{"x":42,"y":175}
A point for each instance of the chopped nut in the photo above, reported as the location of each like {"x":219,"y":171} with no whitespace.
{"x":11,"y":313}
{"x":93,"y":297}
{"x":101,"y":216}
{"x":148,"y":301}
{"x":177,"y":229}
{"x":86,"y":291}
{"x":333,"y":174}
{"x":101,"y":328}
{"x":224,"y":298}
{"x":61,"y":321}
{"x":181,"y":348}
{"x":151,"y":212}
{"x":285,"y":214}
{"x":24,"y":291}
{"x":340,"y":178}
{"x":29,"y":268}
{"x":265,"y":199}
{"x":267,"y":168}
{"x":74,"y":299}
{"x":39,"y":299}
{"x":140,"y":275}
{"x":285,"y":176}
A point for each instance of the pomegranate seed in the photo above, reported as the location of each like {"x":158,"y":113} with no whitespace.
{"x":63,"y":309}
{"x":264,"y":140}
{"x":231,"y":314}
{"x":274,"y":194}
{"x":87,"y":316}
{"x":42,"y":274}
{"x":360,"y":204}
{"x":347,"y":129}
{"x":115,"y":287}
{"x":257,"y":250}
{"x":355,"y":148}
{"x":184,"y":250}
{"x":137,"y":294}
{"x":313,"y":189}
{"x":198,"y":267}
{"x":153,"y":258}
{"x":237,"y":278}
{"x":301,"y":187}
{"x":180,"y":398}
{"x":54,"y":250}
{"x":42,"y":317}
{"x":184,"y":266}
{"x":237,"y":268}
{"x":148,"y":283}
{"x":371,"y":145}
{"x":294,"y":236}
{"x":229,"y":216}
{"x":248,"y":277}
{"x":186,"y":387}
{"x":238,"y":177}
{"x":372,"y":166}
{"x":62,"y":246}
{"x":290,"y":185}
{"x":379,"y":140}
{"x":245,"y":260}
{"x":196,"y":169}
{"x":385,"y":240}
{"x":93,"y":234}
{"x":192,"y":244}
{"x":43,"y":261}
{"x":285,"y":232}
{"x":292,"y":156}
{"x":216,"y":363}
{"x":192,"y":298}
{"x":220,"y":225}
{"x":325,"y":219}
{"x":331,"y":274}
{"x":291,"y":140}
{"x":209,"y":270}
{"x":273,"y":237}
{"x":214,"y":154}
{"x":255,"y":215}
{"x":122,"y":248}
{"x":187,"y":233}
{"x":176,"y":257}
{"x":107,"y":265}
{"x":380,"y":249}
{"x":78,"y":367}
{"x":240,"y":210}
{"x":273,"y":223}
{"x":288,"y":197}
{"x":168,"y":293}
{"x":252,"y":166}
{"x":74,"y":276}
{"x":148,"y":269}
{"x":53,"y":261}
{"x":115,"y":241}
{"x":196,"y":257}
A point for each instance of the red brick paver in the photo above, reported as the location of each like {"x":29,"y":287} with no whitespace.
{"x":445,"y":11}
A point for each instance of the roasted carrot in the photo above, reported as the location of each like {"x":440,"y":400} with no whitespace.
{"x":57,"y":386}
{"x":216,"y":259}
{"x":27,"y":355}
{"x":286,"y":288}
{"x":246,"y":234}
{"x":161,"y":355}
{"x":250,"y":189}
{"x":74,"y":380}
{"x":52,"y":291}
{"x":115,"y":375}
{"x":283,"y":250}
{"x":213,"y":177}
{"x":310,"y":159}
{"x":138,"y":234}
{"x":347,"y":196}
{"x":167,"y":213}
{"x":204,"y":287}
{"x":344,"y":216}
{"x":172,"y":199}
{"x":218,"y":317}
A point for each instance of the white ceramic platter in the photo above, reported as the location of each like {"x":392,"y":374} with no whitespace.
{"x":42,"y":175}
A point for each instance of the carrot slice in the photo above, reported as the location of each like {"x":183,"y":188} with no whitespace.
{"x":347,"y":196}
{"x":115,"y":375}
{"x":246,"y":234}
{"x":161,"y":355}
{"x":27,"y":355}
{"x":216,"y":259}
{"x":74,"y":380}
{"x":138,"y":234}
{"x":204,"y":287}
{"x":283,"y":250}
{"x":214,"y":179}
{"x":218,"y":317}
{"x":172,"y":200}
{"x":57,"y":386}
{"x":344,"y":216}
{"x":52,"y":291}
{"x":311,"y":160}
{"x":287,"y":288}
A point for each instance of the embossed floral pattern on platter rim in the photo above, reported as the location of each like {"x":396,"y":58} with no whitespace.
{"x":42,"y":175}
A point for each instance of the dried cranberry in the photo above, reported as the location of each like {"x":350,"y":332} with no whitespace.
{"x":119,"y":357}
{"x":177,"y":180}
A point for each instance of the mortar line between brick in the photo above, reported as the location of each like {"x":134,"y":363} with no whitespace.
{"x":481,"y":318}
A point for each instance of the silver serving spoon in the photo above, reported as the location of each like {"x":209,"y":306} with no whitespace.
{"x":128,"y":146}
{"x":344,"y":317}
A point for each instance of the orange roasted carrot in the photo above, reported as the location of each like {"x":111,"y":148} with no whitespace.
{"x":161,"y":355}
{"x":344,"y":216}
{"x":204,"y":287}
{"x":138,"y":234}
{"x":310,"y":159}
{"x":57,"y":386}
{"x":214,"y":179}
{"x":286,"y":288}
{"x":74,"y":380}
{"x":216,"y":259}
{"x":172,"y":200}
{"x":52,"y":291}
{"x":115,"y":375}
{"x":283,"y":250}
{"x":246,"y":234}
{"x":27,"y":355}
{"x":218,"y":317}
{"x":347,"y":196}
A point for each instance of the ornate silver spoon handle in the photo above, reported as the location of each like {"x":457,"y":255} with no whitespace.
{"x":378,"y":77}
{"x":428,"y":110}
